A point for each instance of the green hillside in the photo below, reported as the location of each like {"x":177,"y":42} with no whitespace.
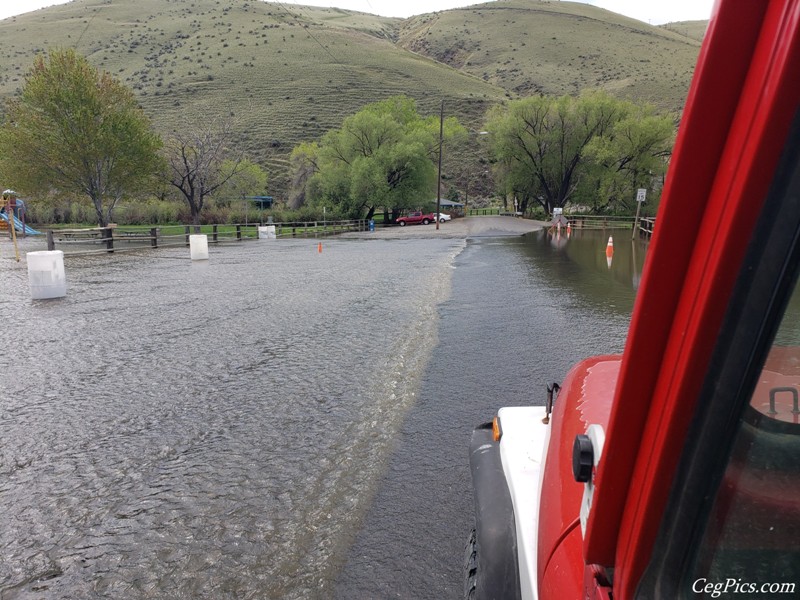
{"x":287,"y":73}
{"x":691,"y":29}
{"x":531,"y":47}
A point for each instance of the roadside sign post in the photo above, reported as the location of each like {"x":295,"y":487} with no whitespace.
{"x":641,"y":193}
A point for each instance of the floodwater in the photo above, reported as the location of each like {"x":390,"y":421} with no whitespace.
{"x":276,"y":422}
{"x":522,"y":311}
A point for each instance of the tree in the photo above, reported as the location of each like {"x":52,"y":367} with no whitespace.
{"x":303,"y":165}
{"x":77,"y":130}
{"x":382,"y":156}
{"x":200,"y":161}
{"x":467,"y":167}
{"x":632,"y":155}
{"x":545,"y":146}
{"x":250,"y":180}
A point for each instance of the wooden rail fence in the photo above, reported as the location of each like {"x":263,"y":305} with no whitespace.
{"x":644,"y":228}
{"x":93,"y":240}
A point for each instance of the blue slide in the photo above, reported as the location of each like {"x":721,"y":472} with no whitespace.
{"x":18,"y":224}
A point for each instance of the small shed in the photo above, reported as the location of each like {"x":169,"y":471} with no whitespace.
{"x":262,"y":202}
{"x":449,"y":206}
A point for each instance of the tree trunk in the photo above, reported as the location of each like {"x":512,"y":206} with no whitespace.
{"x":98,"y":209}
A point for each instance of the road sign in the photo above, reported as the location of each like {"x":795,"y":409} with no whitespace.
{"x":640,"y":194}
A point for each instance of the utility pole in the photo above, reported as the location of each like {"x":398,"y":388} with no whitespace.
{"x":439,"y":177}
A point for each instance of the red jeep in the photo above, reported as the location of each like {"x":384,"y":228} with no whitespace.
{"x":673,"y":470}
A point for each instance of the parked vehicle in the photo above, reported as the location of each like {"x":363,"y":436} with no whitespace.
{"x":673,"y":470}
{"x":416,"y":218}
{"x":442,"y":217}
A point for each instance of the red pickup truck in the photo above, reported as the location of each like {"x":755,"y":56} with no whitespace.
{"x":415,"y":218}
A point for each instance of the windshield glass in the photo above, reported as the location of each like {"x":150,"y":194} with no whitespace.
{"x":750,"y":544}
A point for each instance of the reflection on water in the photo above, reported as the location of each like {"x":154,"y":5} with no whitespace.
{"x":579,"y":262}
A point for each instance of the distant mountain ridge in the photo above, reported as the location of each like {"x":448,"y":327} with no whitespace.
{"x":288,"y":73}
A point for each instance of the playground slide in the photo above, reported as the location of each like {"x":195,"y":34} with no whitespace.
{"x":18,"y":224}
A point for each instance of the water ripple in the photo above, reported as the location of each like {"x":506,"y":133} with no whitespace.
{"x":182,"y":430}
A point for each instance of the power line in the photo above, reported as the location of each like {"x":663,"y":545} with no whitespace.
{"x":321,"y":45}
{"x":85,"y":29}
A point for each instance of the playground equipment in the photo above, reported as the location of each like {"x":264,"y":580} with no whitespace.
{"x":18,"y":224}
{"x":15,"y":207}
{"x":10,"y":200}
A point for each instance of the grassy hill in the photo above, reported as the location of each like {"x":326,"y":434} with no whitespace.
{"x":539,"y":47}
{"x":288,"y":73}
{"x":695,"y":30}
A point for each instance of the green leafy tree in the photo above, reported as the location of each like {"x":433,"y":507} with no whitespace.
{"x":545,"y":147}
{"x":382,"y":156}
{"x":303,"y":165}
{"x":250,"y":180}
{"x":633,"y":154}
{"x":77,"y":130}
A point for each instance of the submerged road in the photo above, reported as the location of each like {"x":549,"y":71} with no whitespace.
{"x":509,"y":328}
{"x":464,"y":228}
{"x":277,"y":422}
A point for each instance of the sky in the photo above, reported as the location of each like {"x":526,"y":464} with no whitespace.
{"x":655,"y":12}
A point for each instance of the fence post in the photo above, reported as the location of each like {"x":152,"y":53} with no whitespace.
{"x":108,"y":234}
{"x":187,"y":235}
{"x":214,"y":233}
{"x":51,"y":242}
{"x":154,"y":237}
{"x":238,"y":232}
